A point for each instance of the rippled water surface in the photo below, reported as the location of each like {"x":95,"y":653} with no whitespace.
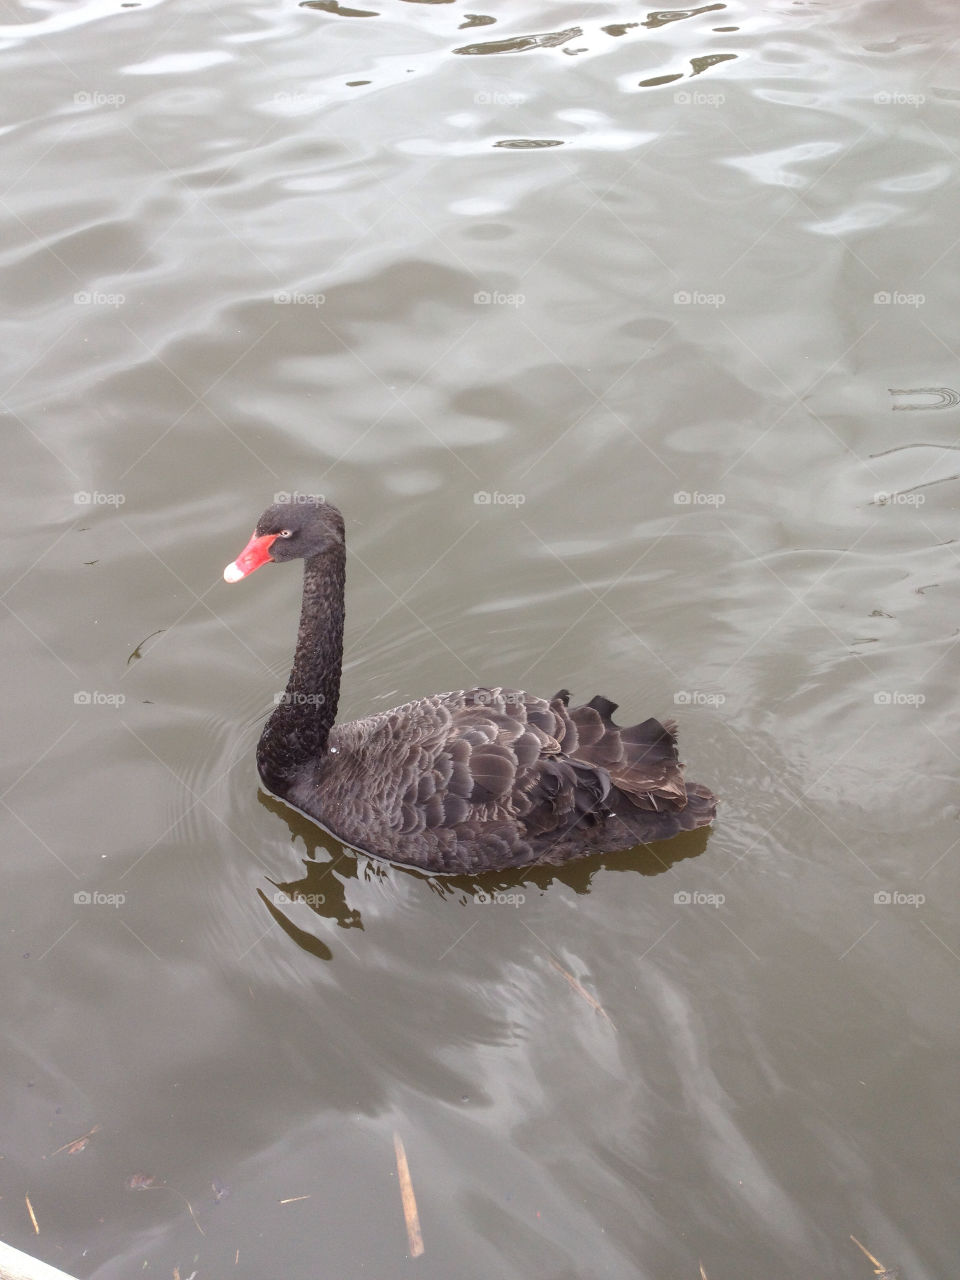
{"x":626,"y":341}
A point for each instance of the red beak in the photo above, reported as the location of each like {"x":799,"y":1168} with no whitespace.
{"x":253,"y":555}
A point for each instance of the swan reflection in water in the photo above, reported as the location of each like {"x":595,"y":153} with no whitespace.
{"x":330,"y":866}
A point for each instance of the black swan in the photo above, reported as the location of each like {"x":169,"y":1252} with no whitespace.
{"x":456,"y":783}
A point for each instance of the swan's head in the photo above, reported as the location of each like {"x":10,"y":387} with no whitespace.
{"x":294,"y":530}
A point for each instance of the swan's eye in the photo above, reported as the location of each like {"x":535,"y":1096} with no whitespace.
{"x":285,"y":533}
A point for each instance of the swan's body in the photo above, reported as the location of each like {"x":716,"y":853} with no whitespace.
{"x":458,"y":782}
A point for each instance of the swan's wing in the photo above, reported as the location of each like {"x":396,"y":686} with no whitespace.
{"x":474,"y":757}
{"x":487,"y":757}
{"x":641,"y":758}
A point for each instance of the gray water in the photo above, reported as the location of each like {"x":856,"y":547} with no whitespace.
{"x":672,"y":290}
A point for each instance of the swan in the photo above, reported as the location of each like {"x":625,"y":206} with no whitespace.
{"x":455,"y":783}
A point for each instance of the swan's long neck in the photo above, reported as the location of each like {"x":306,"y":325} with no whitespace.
{"x":297,"y":731}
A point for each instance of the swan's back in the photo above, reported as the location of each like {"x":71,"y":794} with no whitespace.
{"x":486,"y":778}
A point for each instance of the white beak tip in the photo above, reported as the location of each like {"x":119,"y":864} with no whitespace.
{"x":233,"y":572}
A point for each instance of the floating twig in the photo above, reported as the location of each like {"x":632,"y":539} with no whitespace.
{"x":595,"y":1004}
{"x":136,"y":653}
{"x":409,"y":1200}
{"x":33,"y":1216}
{"x":879,"y":1269}
{"x":78,"y":1143}
{"x":294,"y":1199}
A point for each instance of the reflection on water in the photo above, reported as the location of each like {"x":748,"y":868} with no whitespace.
{"x":518,"y":44}
{"x":675,"y":291}
{"x":324,"y":886}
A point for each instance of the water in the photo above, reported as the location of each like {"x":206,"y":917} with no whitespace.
{"x":671,"y":289}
